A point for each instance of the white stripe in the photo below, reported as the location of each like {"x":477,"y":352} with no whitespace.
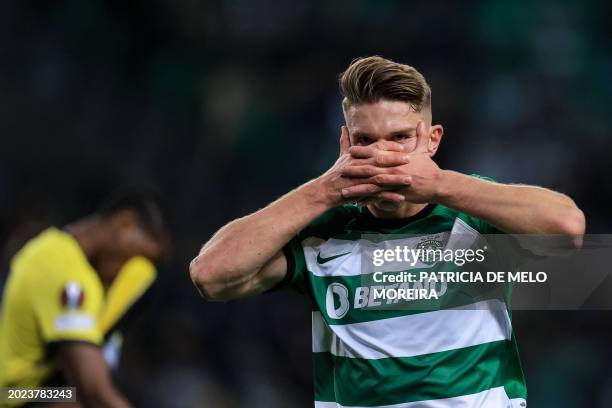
{"x":462,"y":236}
{"x":492,"y":398}
{"x":414,"y":335}
{"x":350,"y":264}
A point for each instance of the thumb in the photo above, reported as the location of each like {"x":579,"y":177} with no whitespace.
{"x":345,"y":143}
{"x":422,"y":142}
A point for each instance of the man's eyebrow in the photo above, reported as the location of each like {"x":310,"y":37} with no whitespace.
{"x":403,"y":131}
{"x":359,"y":133}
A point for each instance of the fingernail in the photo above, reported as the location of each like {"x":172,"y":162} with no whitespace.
{"x":344,"y":192}
{"x":407,"y":158}
{"x":407,"y":180}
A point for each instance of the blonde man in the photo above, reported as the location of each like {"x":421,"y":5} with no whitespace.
{"x":310,"y":240}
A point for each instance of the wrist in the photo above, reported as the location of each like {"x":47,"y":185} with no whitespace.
{"x":446,"y":186}
{"x":317,"y":195}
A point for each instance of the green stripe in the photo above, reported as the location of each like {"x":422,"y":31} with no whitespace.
{"x":346,"y":223}
{"x":324,"y":384}
{"x":360,"y":382}
{"x":515,"y":386}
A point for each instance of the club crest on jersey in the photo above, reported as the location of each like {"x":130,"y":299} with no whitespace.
{"x":72,"y":296}
{"x":427,"y":246}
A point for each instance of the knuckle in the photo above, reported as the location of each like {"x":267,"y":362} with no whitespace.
{"x":359,"y":151}
{"x":380,"y":159}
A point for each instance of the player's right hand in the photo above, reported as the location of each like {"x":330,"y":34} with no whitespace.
{"x":362,"y":189}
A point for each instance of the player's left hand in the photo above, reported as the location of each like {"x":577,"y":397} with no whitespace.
{"x":421,"y":172}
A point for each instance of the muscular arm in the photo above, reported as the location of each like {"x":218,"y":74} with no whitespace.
{"x":516,"y":209}
{"x":84,"y":366}
{"x":245,"y":257}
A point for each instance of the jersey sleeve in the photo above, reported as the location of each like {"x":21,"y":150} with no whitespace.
{"x":295,"y":279}
{"x":325,"y":226}
{"x":68,"y":306}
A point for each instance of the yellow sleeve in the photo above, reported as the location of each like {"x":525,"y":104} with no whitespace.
{"x":67,"y":305}
{"x":133,"y":280}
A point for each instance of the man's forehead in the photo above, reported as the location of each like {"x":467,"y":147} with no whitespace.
{"x":382,"y":117}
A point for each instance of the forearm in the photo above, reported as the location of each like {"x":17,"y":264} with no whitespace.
{"x":517,"y":209}
{"x":83,"y":365}
{"x":239,"y":250}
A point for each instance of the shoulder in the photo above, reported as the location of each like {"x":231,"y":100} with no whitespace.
{"x":50,"y":246}
{"x":52,"y":260}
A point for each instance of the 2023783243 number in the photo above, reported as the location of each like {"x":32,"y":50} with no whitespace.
{"x":42,"y":394}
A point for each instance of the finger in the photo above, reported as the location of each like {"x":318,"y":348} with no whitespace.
{"x":366,"y":170}
{"x":389,"y":159}
{"x":361,"y":152}
{"x":360,"y":190}
{"x":345,"y":142}
{"x":383,"y":195}
{"x":389,"y":145}
{"x":369,"y":171}
{"x":379,"y":158}
{"x":369,"y":151}
{"x":387,"y":180}
{"x":422,"y":142}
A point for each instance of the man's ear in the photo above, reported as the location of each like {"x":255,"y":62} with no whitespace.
{"x":435,"y":137}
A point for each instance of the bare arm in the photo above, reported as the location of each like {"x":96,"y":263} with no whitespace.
{"x":84,"y":366}
{"x":516,"y":209}
{"x":245,"y":257}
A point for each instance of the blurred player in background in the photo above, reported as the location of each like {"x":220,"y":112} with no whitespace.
{"x":309,"y":240}
{"x":68,"y":288}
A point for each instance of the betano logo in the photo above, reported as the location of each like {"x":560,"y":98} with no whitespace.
{"x":338,"y":302}
{"x":337,"y":310}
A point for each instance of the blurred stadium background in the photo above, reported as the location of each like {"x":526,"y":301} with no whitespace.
{"x":226,"y":105}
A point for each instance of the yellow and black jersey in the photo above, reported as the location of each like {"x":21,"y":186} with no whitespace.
{"x":53,"y":294}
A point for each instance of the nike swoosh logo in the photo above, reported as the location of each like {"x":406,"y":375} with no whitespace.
{"x":322,"y":260}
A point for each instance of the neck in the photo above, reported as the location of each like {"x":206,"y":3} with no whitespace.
{"x":404,"y":210}
{"x":86,"y":233}
{"x":89,"y":234}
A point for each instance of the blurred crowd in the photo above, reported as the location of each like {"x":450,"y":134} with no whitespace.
{"x":225,"y":105}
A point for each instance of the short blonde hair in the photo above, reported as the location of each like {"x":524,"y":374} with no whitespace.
{"x":370,"y":79}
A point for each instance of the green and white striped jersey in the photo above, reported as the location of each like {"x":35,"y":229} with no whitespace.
{"x":460,"y":355}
